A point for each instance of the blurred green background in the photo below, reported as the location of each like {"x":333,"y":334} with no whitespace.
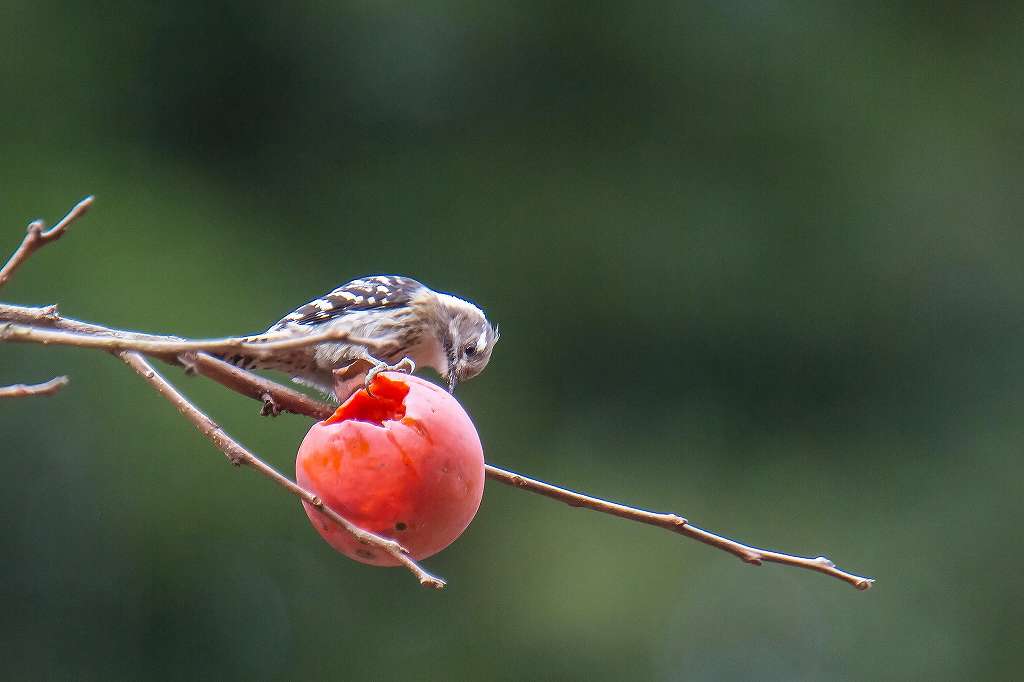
{"x":756,"y":263}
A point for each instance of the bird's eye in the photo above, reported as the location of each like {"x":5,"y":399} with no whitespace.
{"x":469,"y":351}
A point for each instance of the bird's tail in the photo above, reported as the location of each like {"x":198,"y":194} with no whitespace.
{"x":246,"y":358}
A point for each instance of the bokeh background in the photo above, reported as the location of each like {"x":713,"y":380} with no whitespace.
{"x":756,"y":263}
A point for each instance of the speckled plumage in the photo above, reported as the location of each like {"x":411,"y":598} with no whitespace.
{"x":437,"y":330}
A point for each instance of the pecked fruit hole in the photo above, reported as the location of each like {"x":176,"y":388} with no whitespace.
{"x":385,"y":403}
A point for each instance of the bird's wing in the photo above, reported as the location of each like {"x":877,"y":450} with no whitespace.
{"x":366,"y":293}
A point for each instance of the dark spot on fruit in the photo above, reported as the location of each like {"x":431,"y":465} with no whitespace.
{"x":365,"y":553}
{"x":400,"y":525}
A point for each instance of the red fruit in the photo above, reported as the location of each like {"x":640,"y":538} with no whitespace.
{"x":404,"y":462}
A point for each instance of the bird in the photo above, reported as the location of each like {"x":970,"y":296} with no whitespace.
{"x":411,"y":325}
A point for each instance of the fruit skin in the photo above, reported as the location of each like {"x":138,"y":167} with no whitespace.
{"x":405,"y":463}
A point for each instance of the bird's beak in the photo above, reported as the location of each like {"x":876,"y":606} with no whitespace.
{"x":452,"y":376}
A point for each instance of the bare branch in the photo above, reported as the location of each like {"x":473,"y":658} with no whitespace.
{"x":48,"y":316}
{"x":240,"y":456}
{"x":253,"y":386}
{"x":160,"y":346}
{"x":676,"y":524}
{"x":27,"y":390}
{"x":275,"y":397}
{"x":44,"y":325}
{"x":36,"y":237}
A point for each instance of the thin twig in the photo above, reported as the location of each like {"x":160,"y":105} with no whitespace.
{"x":11,"y":332}
{"x":125,"y":345}
{"x":48,"y":316}
{"x":163,"y":346}
{"x":253,"y":386}
{"x":240,"y":456}
{"x":276,"y":398}
{"x":676,"y":524}
{"x":27,"y":390}
{"x":36,"y":236}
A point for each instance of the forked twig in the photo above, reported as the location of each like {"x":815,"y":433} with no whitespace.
{"x":259,"y":388}
{"x":240,"y":456}
{"x":275,"y":397}
{"x":45,"y":325}
{"x":124,"y":344}
{"x":36,"y":236}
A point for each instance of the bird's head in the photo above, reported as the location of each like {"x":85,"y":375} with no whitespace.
{"x":469,"y":340}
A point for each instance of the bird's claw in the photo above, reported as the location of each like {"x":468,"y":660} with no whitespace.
{"x":405,"y":365}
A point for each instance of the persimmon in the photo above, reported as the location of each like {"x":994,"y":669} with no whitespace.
{"x":402,"y":460}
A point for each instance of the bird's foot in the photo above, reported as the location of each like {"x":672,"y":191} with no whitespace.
{"x":405,"y":365}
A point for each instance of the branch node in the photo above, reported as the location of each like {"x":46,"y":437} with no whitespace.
{"x":188,"y":363}
{"x":36,"y":236}
{"x":270,"y":407}
{"x":677,"y":521}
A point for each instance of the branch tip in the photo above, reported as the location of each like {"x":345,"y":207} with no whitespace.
{"x":36,"y":236}
{"x":28,"y":390}
{"x":433,"y":582}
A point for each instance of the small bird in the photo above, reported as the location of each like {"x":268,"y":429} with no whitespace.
{"x":420,"y":326}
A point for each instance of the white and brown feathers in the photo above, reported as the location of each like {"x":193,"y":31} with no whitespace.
{"x":369,"y":293}
{"x":433,"y":329}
